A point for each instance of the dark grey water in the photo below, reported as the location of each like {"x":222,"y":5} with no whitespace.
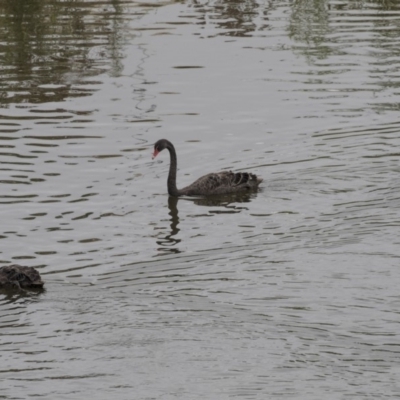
{"x":291,"y":292}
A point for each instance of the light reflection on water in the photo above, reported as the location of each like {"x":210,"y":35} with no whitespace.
{"x":288,"y":292}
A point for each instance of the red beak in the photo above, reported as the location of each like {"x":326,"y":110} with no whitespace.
{"x":154,"y":154}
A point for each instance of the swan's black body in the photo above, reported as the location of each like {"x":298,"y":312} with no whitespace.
{"x":20,"y":277}
{"x":215,"y":183}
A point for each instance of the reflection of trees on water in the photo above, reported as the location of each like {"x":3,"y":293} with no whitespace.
{"x":311,"y":21}
{"x":235,"y":17}
{"x":352,"y":30}
{"x":382,"y":4}
{"x":57,"y":44}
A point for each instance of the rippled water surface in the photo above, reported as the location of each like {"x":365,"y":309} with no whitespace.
{"x":290,"y":292}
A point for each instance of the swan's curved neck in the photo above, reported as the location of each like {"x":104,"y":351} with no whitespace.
{"x":172,"y":189}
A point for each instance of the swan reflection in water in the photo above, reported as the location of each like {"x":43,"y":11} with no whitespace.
{"x":226,"y":201}
{"x":169,"y":240}
{"x":227,"y":205}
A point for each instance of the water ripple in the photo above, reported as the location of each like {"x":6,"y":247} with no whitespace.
{"x":289,"y":290}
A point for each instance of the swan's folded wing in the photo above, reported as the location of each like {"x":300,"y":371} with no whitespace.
{"x":222,"y":182}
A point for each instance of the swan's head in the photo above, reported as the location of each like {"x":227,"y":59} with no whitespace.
{"x":160,"y":146}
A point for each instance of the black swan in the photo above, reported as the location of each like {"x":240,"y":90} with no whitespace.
{"x":20,"y":277}
{"x":215,"y":183}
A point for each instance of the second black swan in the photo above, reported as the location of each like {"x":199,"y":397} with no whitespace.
{"x":20,"y":277}
{"x":224,"y":182}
